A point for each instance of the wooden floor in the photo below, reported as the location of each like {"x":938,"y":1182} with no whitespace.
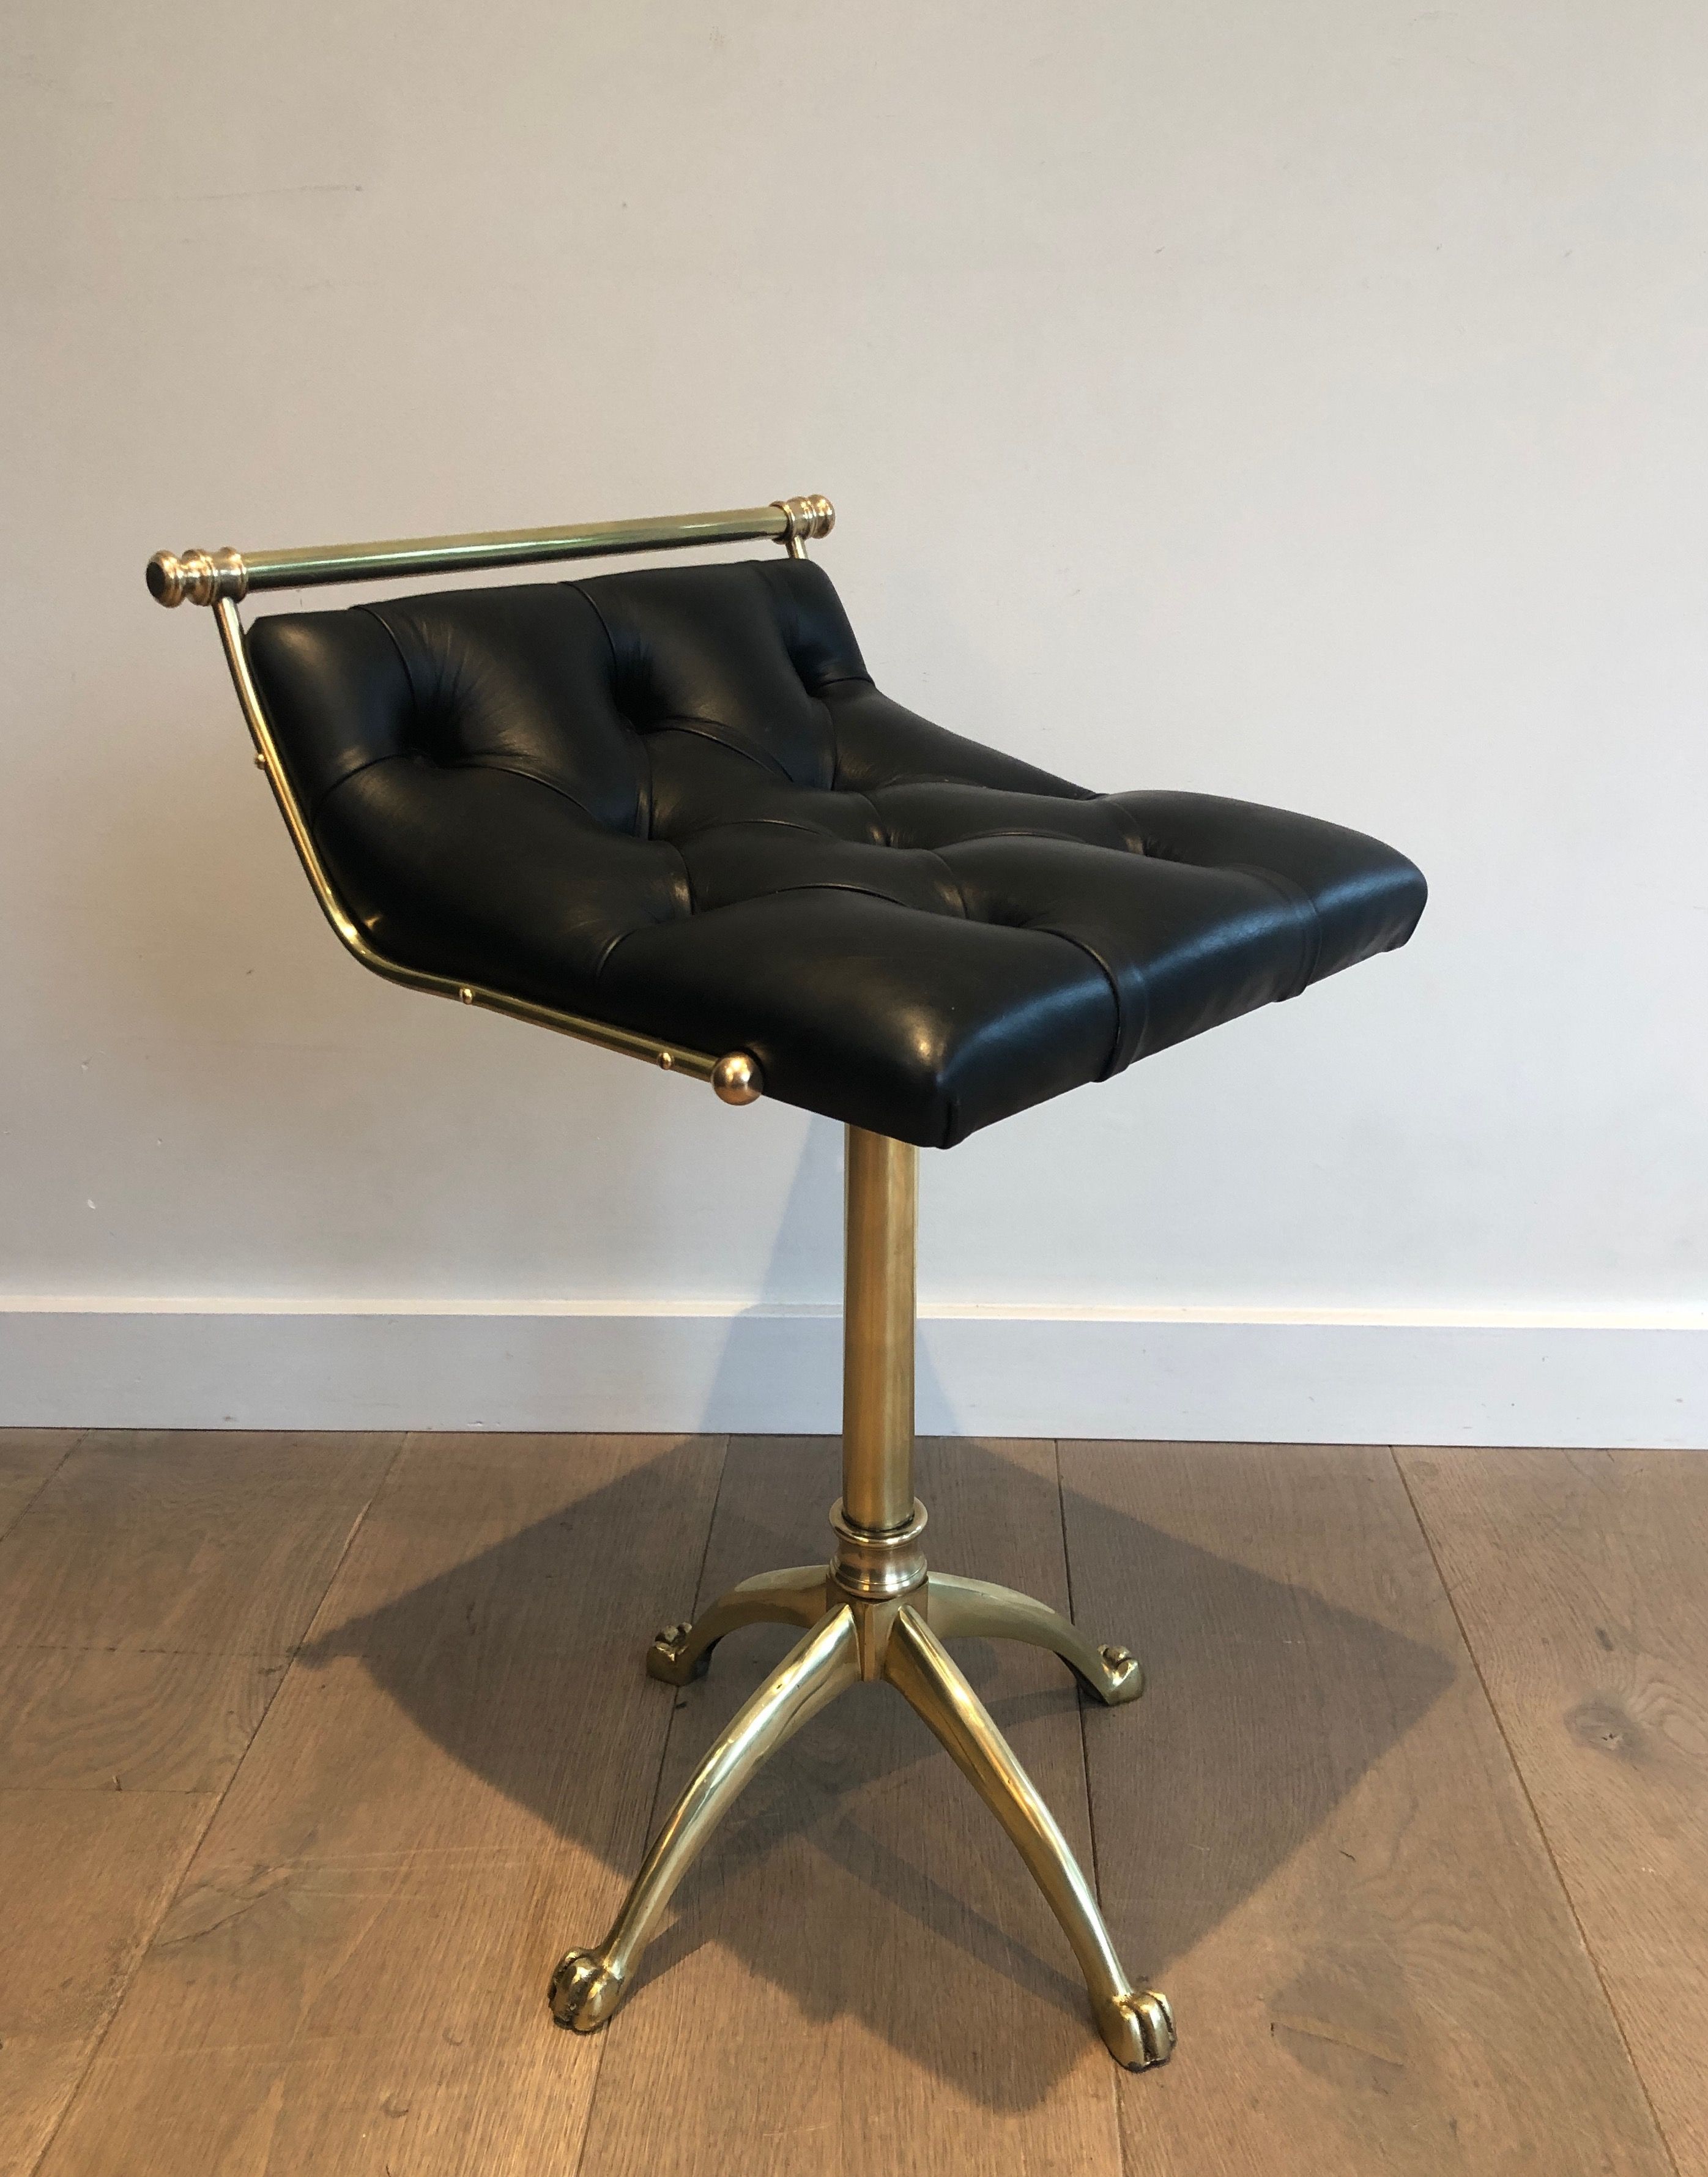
{"x":314,"y":1752}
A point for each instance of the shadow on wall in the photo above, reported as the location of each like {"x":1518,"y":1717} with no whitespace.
{"x":262,"y":1088}
{"x":491,"y":1659}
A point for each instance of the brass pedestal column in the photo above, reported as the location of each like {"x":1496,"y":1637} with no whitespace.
{"x":876,"y":1612}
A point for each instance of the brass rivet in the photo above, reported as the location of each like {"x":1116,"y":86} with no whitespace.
{"x":467,"y":996}
{"x":667,"y":1060}
{"x":260,"y":761}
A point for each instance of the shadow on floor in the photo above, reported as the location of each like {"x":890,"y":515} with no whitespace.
{"x":835,"y":1816}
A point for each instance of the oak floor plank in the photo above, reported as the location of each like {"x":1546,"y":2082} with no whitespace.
{"x":194,"y":1541}
{"x":128,"y":1720}
{"x":457,"y":1769}
{"x":1580,"y":1579}
{"x":1311,"y":1833}
{"x":136,"y":1563}
{"x":859,"y":1974}
{"x":84,"y":1878}
{"x":27,"y":1458}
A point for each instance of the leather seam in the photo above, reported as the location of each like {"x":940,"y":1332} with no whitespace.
{"x":791,"y":824}
{"x":621,"y":937}
{"x":823,"y":709}
{"x":1024,"y":832}
{"x":592,"y":605}
{"x":599,"y":971}
{"x":1079,"y":795}
{"x":702,"y":728}
{"x":779,"y":594}
{"x":829,"y":884}
{"x":1015,"y":831}
{"x":463,"y":763}
{"x":967,"y":914}
{"x":1295,"y":896}
{"x":533,"y":778}
{"x":396,"y":756}
{"x":782,"y":600}
{"x":1121,"y":1013}
{"x":774,"y":575}
{"x":642,"y":829}
{"x":375,"y":614}
{"x":1129,"y":844}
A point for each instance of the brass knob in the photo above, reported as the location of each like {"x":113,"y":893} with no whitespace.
{"x":811,"y":516}
{"x":736,"y":1079}
{"x":196,"y":578}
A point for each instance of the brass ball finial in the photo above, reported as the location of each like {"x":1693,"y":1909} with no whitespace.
{"x":736,"y":1079}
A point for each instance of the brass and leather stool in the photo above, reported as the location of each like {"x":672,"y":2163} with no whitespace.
{"x":669,"y":812}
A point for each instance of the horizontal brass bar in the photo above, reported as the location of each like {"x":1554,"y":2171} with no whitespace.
{"x":201,"y":577}
{"x":505,"y":548}
{"x":735,"y":1078}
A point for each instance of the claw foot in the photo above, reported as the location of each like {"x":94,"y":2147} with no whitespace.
{"x":584,"y":1992}
{"x":1138,"y":2029}
{"x":665,"y":1657}
{"x":1125,"y":1679}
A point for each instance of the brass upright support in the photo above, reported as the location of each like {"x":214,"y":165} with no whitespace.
{"x":881,"y":1218}
{"x":874,"y":1612}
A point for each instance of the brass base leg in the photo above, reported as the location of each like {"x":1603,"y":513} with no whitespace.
{"x":877,"y":1611}
{"x":796,"y":1597}
{"x":888,"y":1637}
{"x":977,"y":1609}
{"x":588,"y":1985}
{"x":1136,"y":2024}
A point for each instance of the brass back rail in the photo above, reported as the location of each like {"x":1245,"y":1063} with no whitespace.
{"x":201,"y":578}
{"x":221,"y":578}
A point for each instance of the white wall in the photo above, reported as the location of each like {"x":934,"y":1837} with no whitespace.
{"x":1300,"y":402}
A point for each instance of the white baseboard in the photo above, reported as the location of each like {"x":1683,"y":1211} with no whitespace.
{"x":1264,"y":1375}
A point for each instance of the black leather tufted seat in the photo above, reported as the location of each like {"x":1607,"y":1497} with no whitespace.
{"x":674,"y":800}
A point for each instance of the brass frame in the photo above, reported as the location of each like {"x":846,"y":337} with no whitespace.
{"x":876,"y":1612}
{"x":221,"y":579}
